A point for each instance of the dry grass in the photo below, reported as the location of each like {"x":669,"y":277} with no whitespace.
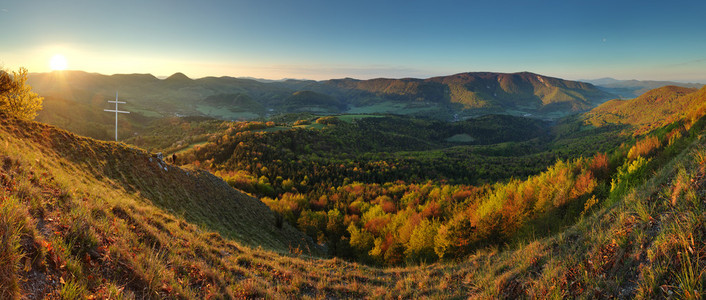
{"x":77,"y":223}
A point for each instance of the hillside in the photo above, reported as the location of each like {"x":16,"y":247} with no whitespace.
{"x":197,"y":196}
{"x":651,"y":110}
{"x":524,"y":89}
{"x":524,"y":92}
{"x":78,"y":223}
{"x":635,"y":88}
{"x":308,"y":101}
{"x":452,"y":97}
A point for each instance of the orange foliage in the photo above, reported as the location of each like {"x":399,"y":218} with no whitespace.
{"x":644,"y":147}
{"x":599,"y":166}
{"x":320,"y":203}
{"x":376,"y":225}
{"x":585,"y":183}
{"x":461,"y":195}
{"x":432,"y":209}
{"x":388,"y":206}
{"x":675,"y":135}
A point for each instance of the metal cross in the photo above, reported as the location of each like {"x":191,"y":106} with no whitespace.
{"x":116,"y":111}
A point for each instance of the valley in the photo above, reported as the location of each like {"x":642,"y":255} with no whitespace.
{"x":448,"y":98}
{"x":313,"y":203}
{"x":352,"y":150}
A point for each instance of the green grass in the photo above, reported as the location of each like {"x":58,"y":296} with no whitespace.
{"x":225,"y":113}
{"x":388,"y":107}
{"x":145,"y":112}
{"x":349,"y":118}
{"x":187,"y":148}
{"x":461,"y":138}
{"x":311,"y":126}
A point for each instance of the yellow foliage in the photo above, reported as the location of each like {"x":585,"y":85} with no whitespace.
{"x":16,"y":96}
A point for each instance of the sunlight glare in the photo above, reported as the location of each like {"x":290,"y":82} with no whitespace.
{"x":58,"y":62}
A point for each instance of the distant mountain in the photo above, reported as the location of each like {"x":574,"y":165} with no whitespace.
{"x":448,"y":98}
{"x":634,"y":88}
{"x":178,"y":77}
{"x":498,"y":92}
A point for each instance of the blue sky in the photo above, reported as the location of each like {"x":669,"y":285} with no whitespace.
{"x":362,"y":39}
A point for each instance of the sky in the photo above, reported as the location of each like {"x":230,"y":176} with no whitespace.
{"x":312,"y":39}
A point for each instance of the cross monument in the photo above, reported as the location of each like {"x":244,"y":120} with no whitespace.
{"x":116,"y":111}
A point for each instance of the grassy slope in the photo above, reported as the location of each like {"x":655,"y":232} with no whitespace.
{"x":82,"y":235}
{"x":72,"y":225}
{"x":651,"y":110}
{"x":97,"y":210}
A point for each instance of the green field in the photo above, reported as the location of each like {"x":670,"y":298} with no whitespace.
{"x":388,"y":107}
{"x":225,"y":113}
{"x":461,"y":138}
{"x":352,"y":117}
{"x":191,"y":146}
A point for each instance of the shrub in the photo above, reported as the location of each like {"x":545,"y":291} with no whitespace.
{"x":302,"y":122}
{"x":328,"y":120}
{"x":16,"y":96}
{"x":644,"y":147}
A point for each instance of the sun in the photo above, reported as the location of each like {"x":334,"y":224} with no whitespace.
{"x":58,"y":62}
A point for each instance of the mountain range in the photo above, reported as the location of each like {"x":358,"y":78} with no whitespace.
{"x":451,"y":97}
{"x":634,"y":88}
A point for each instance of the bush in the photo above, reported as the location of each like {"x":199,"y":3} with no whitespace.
{"x":302,"y":122}
{"x":16,"y":96}
{"x":644,"y":147}
{"x":328,"y":120}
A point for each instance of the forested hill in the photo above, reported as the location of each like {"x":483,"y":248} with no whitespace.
{"x":75,"y":100}
{"x":651,"y":110}
{"x":519,"y":91}
{"x":634,"y":88}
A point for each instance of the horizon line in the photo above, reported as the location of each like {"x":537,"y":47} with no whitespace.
{"x":164,"y":77}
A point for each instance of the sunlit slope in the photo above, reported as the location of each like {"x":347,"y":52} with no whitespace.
{"x":197,"y":196}
{"x":77,"y":218}
{"x":66,"y":234}
{"x":651,"y":110}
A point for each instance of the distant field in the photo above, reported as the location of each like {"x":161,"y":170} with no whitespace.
{"x":461,"y":138}
{"x":310,"y":126}
{"x":386,"y":107}
{"x":191,"y":146}
{"x":225,"y":113}
{"x":145,"y":112}
{"x":352,"y":117}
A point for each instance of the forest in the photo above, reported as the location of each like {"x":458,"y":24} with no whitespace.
{"x":394,"y":190}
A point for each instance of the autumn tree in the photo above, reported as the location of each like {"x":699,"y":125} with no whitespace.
{"x":421,"y":243}
{"x":16,"y":96}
